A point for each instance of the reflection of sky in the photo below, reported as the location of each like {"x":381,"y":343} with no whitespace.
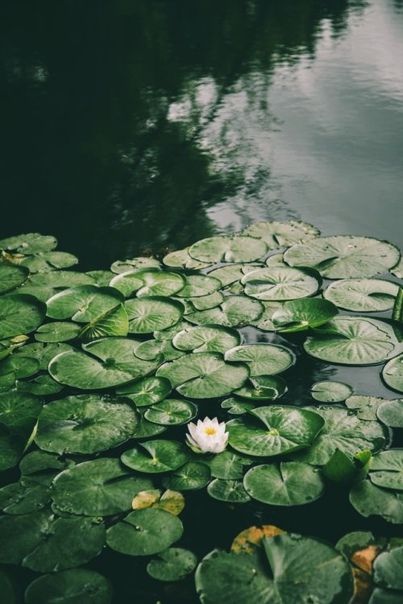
{"x":322,"y":136}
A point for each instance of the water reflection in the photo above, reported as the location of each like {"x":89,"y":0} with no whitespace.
{"x":144,"y":125}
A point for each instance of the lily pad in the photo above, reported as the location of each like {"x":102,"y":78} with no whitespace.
{"x":83,"y":304}
{"x":181,"y":259}
{"x":213,"y":338}
{"x":274,"y":430}
{"x":156,"y":456}
{"x":277,"y":283}
{"x":18,"y":417}
{"x":48,"y":261}
{"x":231,"y":491}
{"x":148,"y":282}
{"x":85,"y":423}
{"x":388,"y":569}
{"x":20,"y":365}
{"x":228,"y":249}
{"x":387,"y":469}
{"x":229,"y":465}
{"x":287,"y":483}
{"x":328,"y":391}
{"x":152,"y":313}
{"x":233,"y":273}
{"x":237,"y":406}
{"x":393,"y":373}
{"x":391,"y":413}
{"x":207,"y":302}
{"x":171,"y":412}
{"x":362,"y":295}
{"x":279,"y":234}
{"x":263,"y":388}
{"x":137,"y":263}
{"x":144,"y":532}
{"x":235,"y":311}
{"x":30,"y":494}
{"x":262,"y":359}
{"x":58,"y":331}
{"x":344,"y":256}
{"x":265,"y":321}
{"x":191,"y":476}
{"x":173,"y":564}
{"x":46,"y":543}
{"x":28,"y":243}
{"x":370,"y":500}
{"x":147,"y":391}
{"x":11,"y":276}
{"x":20,"y":314}
{"x":73,"y":586}
{"x":100,"y":487}
{"x":199,"y":285}
{"x":300,"y":315}
{"x":204,"y":375}
{"x":342,"y":430}
{"x":352,"y":341}
{"x":365,"y":407}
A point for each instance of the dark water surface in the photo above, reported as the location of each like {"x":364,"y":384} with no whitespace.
{"x":131,"y":125}
{"x":141,"y":125}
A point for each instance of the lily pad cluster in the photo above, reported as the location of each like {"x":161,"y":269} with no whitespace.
{"x":101,"y":373}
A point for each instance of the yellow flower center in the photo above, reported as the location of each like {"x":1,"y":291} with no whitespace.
{"x":210,"y":431}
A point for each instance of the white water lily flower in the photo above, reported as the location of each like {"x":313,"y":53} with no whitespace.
{"x":207,"y":436}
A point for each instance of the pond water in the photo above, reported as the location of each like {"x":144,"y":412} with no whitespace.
{"x":131,"y":126}
{"x":135,"y":127}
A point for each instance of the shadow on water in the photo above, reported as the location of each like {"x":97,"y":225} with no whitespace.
{"x":107,"y":110}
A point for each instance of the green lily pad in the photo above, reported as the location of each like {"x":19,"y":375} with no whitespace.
{"x":85,"y":423}
{"x":18,"y":417}
{"x":146,"y":429}
{"x":228,"y":249}
{"x":235,"y":311}
{"x":58,"y":280}
{"x":328,"y":391}
{"x":229,"y":465}
{"x":150,"y":314}
{"x":156,"y":456}
{"x":42,"y":461}
{"x":100,"y":487}
{"x":346,"y":469}
{"x":28,"y":243}
{"x":171,"y":412}
{"x":391,"y":413}
{"x":20,"y":314}
{"x":262,"y":359}
{"x":100,"y":277}
{"x":199,"y":285}
{"x":181,"y":259}
{"x":237,"y":406}
{"x":279,"y":234}
{"x":300,"y":315}
{"x":265,"y":321}
{"x":287,"y":483}
{"x":148,"y":282}
{"x":295,"y":569}
{"x":147,"y":391}
{"x":30,"y":494}
{"x":352,"y":341}
{"x":73,"y":586}
{"x":233,"y":273}
{"x":388,"y":569}
{"x":144,"y":532}
{"x":231,"y":491}
{"x":274,"y":430}
{"x":11,"y":276}
{"x":344,"y":256}
{"x":83,"y":304}
{"x":48,"y":261}
{"x":342,"y":430}
{"x":204,"y":375}
{"x":137,"y":263}
{"x":173,"y":564}
{"x":20,"y":365}
{"x":362,"y":295}
{"x":42,"y":385}
{"x":43,"y":352}
{"x":277,"y":283}
{"x":113,"y":322}
{"x":370,"y":500}
{"x":365,"y":407}
{"x":387,"y":469}
{"x":213,"y":338}
{"x":58,"y":331}
{"x":262,"y":388}
{"x":206,"y":302}
{"x":191,"y":476}
{"x":46,"y":543}
{"x":392,"y":373}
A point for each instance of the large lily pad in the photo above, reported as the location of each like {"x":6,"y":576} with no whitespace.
{"x":362,"y":295}
{"x":83,"y":304}
{"x":152,"y":313}
{"x":344,"y":256}
{"x":300,"y":315}
{"x":235,"y":311}
{"x":144,"y":532}
{"x":148,"y":282}
{"x":343,"y":430}
{"x":371,"y":500}
{"x":386,"y":469}
{"x":191,"y":476}
{"x":278,"y":283}
{"x":274,"y":430}
{"x":101,"y":487}
{"x":197,"y":286}
{"x":18,"y":417}
{"x":11,"y":276}
{"x":262,"y":359}
{"x":228,"y":249}
{"x":388,"y":569}
{"x":45,"y":543}
{"x":28,"y":243}
{"x":391,"y":413}
{"x":279,"y":234}
{"x":352,"y":341}
{"x":20,"y":314}
{"x":156,"y":456}
{"x":73,"y":586}
{"x":213,"y":338}
{"x":204,"y":375}
{"x":287,"y":483}
{"x":393,"y":373}
{"x":57,"y":331}
{"x":86,"y":423}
